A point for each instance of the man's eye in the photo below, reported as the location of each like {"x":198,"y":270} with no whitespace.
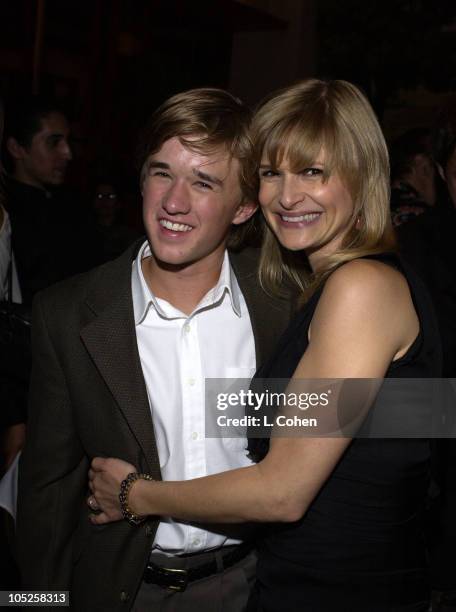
{"x":203,"y":185}
{"x":160,"y":173}
{"x":53,"y":142}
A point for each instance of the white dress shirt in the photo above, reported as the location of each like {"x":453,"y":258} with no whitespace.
{"x":177,"y":353}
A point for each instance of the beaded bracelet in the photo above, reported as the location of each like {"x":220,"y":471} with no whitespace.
{"x":125,"y":486}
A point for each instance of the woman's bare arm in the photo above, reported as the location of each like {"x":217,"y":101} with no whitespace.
{"x":364,"y":319}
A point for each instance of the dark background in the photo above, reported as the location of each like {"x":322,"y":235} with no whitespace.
{"x":111,"y":62}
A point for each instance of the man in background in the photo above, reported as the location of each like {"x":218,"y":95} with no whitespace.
{"x":413,"y":186}
{"x":48,"y":221}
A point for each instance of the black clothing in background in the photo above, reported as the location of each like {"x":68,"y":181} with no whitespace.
{"x":360,"y":545}
{"x":113,"y":240}
{"x":428,"y":243}
{"x":51,"y":240}
{"x":51,"y":236}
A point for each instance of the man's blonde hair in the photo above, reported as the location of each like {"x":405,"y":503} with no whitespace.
{"x":296,"y":123}
{"x":206,"y":120}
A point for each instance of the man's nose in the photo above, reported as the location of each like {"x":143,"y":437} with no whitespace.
{"x":65,"y":150}
{"x":177,"y":200}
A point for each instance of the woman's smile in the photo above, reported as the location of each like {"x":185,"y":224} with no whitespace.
{"x":306,"y":210}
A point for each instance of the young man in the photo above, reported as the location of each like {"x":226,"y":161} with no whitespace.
{"x":46,"y":217}
{"x":121,"y":354}
{"x":48,"y":232}
{"x":38,"y":143}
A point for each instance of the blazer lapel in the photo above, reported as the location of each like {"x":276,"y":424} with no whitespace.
{"x":110,"y":339}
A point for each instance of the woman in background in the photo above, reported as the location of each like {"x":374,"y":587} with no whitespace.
{"x":5,"y":231}
{"x":345,"y":527}
{"x":12,"y":428}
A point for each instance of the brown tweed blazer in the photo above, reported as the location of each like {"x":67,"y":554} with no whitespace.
{"x":88,"y":398}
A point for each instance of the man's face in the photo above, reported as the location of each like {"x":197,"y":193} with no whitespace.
{"x":190,"y":201}
{"x":105,"y":201}
{"x":44,"y":162}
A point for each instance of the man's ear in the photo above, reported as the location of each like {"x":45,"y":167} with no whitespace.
{"x":14,"y":148}
{"x":441,"y":172}
{"x":245,"y":210}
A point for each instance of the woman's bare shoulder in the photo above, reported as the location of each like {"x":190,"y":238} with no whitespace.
{"x":364,"y":279}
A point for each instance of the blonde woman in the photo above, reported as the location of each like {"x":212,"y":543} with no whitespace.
{"x":344,"y":514}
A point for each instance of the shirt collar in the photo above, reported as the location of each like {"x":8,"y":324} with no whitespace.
{"x":143,"y":298}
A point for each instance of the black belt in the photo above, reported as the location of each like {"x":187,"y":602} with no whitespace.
{"x":177,"y":579}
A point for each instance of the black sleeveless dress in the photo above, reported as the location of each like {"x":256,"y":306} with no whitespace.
{"x":360,"y":545}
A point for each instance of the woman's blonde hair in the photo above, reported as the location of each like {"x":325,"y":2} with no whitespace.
{"x":296,"y":123}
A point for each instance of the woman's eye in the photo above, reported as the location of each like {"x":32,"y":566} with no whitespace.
{"x":312,"y":171}
{"x":268,"y":173}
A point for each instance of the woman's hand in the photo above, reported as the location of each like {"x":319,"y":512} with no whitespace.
{"x":105,"y":477}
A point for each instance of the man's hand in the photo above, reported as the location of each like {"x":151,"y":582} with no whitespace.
{"x":105,"y":477}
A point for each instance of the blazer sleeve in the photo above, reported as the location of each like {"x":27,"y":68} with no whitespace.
{"x":53,"y":468}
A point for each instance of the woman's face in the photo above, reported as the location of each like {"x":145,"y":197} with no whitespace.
{"x":304,"y":212}
{"x":450,"y":177}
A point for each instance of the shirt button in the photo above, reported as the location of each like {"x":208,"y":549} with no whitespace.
{"x":191,"y":382}
{"x":124,"y":596}
{"x":196,"y":542}
{"x":187,"y":328}
{"x":195,"y":435}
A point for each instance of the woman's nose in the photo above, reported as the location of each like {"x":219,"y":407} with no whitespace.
{"x":292,"y":192}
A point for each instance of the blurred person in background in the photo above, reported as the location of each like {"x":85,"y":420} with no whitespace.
{"x":50,"y":227}
{"x":428,"y":240}
{"x":413,"y":188}
{"x":428,"y":243}
{"x":12,"y":414}
{"x":12,"y":395}
{"x":5,"y":237}
{"x":112,"y":235}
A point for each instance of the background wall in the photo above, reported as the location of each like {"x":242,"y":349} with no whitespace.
{"x":111,"y":62}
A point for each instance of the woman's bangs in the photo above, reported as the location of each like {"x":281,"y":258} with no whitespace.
{"x":273,"y":150}
{"x":300,"y":143}
{"x":304,"y":145}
